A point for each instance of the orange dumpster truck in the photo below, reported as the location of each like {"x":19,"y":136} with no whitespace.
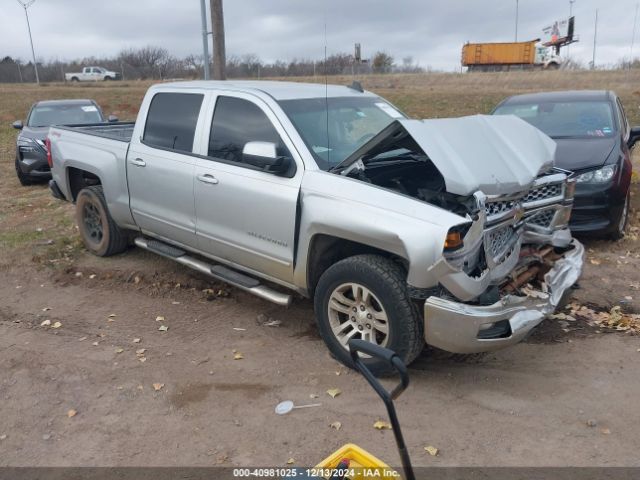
{"x":497,"y":57}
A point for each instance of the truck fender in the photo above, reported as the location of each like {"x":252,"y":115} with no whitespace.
{"x":357,"y":223}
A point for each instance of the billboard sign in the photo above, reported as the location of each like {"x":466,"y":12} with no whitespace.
{"x":559,"y":32}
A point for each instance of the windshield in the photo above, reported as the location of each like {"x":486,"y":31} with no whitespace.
{"x":351,"y":122}
{"x":565,"y":119}
{"x":47,"y":115}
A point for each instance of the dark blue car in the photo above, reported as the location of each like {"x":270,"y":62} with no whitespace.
{"x":594,"y":140}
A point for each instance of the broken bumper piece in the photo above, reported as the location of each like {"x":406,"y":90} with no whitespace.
{"x":462,"y":328}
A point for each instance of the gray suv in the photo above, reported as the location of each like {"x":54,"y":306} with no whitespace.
{"x":31,"y":151}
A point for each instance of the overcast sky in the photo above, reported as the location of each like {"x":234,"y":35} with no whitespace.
{"x":429,"y":30}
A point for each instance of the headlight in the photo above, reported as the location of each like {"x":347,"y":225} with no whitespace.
{"x":601,"y":175}
{"x":25,"y":142}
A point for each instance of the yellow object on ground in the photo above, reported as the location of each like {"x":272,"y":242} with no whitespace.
{"x":362,"y":464}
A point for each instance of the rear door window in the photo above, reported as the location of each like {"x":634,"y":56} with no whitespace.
{"x":237,"y":121}
{"x":171,"y":121}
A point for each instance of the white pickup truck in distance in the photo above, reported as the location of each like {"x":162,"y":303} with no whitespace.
{"x":451,"y":232}
{"x":92,"y":74}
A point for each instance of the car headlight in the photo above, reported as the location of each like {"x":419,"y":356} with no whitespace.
{"x":601,"y":175}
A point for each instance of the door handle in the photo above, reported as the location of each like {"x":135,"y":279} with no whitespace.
{"x":138,"y":162}
{"x":206,"y":178}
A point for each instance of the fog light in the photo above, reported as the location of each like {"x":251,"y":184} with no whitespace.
{"x":487,"y":326}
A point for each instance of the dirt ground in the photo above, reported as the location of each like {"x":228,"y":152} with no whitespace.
{"x":566,"y":396}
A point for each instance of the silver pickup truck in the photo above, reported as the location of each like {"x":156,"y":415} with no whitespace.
{"x":451,"y":232}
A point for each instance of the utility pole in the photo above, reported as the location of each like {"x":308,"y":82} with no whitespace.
{"x":633,"y":37}
{"x":595,"y":37}
{"x":26,"y":4}
{"x":217,"y":25}
{"x":205,"y":40}
{"x":571,"y":2}
{"x":517,"y":8}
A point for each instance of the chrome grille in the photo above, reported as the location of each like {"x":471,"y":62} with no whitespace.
{"x":497,"y":240}
{"x":542,"y":219}
{"x":544,"y":192}
{"x":499,"y":207}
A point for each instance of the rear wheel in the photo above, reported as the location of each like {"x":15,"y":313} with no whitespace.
{"x":100,"y":234}
{"x":365,"y":297}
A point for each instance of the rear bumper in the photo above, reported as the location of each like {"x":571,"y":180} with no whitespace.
{"x":462,"y":328}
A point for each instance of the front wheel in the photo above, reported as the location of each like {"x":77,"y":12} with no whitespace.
{"x":99,"y":232}
{"x":366,"y":297}
{"x":621,"y":224}
{"x":23,"y":178}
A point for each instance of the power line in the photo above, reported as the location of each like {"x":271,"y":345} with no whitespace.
{"x":26,"y":4}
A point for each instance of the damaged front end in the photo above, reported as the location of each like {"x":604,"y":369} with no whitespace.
{"x":509,"y":264}
{"x":528,"y":263}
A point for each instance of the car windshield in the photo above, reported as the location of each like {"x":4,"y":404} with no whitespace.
{"x":351,"y":121}
{"x":47,"y":115}
{"x":569,"y":119}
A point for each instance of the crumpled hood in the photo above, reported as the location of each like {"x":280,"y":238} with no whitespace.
{"x":499,"y":154}
{"x":495,"y":154}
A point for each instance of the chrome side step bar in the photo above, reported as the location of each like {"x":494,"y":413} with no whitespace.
{"x":217,"y":271}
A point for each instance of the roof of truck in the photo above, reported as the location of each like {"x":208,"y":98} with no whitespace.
{"x":277,"y":90}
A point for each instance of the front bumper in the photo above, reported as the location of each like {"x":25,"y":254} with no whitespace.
{"x":462,"y":328}
{"x":597,"y":208}
{"x":34,"y":164}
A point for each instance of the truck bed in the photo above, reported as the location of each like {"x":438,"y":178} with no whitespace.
{"x":121,"y":131}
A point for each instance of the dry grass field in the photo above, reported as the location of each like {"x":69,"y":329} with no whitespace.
{"x":561,"y":398}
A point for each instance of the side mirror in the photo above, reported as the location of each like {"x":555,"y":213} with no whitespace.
{"x":264,"y":155}
{"x":17,"y":125}
{"x":633,"y":137}
{"x":112,"y":119}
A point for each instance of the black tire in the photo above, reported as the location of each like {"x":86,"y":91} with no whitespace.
{"x":100,"y":234}
{"x":621,"y":223}
{"x":386,"y":280}
{"x":25,"y":180}
{"x":107,"y":79}
{"x":75,"y":79}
